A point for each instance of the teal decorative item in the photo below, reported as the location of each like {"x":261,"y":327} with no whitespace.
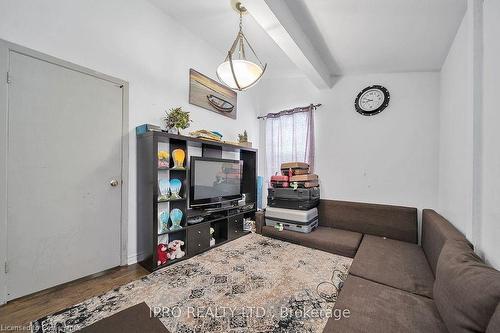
{"x":163,"y":189}
{"x":176,"y":218}
{"x":163,"y":221}
{"x":260,"y":185}
{"x":175,"y":188}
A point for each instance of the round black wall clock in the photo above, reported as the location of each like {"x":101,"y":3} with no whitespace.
{"x":372,"y":100}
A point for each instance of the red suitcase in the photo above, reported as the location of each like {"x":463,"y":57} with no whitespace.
{"x":279,"y":181}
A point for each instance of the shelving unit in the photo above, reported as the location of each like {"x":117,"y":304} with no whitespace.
{"x":228,"y":224}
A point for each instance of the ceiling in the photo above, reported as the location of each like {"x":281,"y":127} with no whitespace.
{"x":217,"y":23}
{"x":387,"y":35}
{"x":351,"y":36}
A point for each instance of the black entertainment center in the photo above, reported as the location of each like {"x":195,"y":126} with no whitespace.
{"x":210,"y":195}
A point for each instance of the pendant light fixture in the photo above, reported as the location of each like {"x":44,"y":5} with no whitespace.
{"x":237,"y":71}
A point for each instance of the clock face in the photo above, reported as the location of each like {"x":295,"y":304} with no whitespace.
{"x":372,"y":100}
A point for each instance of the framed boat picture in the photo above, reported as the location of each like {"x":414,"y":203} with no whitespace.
{"x":211,"y":95}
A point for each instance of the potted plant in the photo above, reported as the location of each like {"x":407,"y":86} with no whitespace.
{"x":176,"y":119}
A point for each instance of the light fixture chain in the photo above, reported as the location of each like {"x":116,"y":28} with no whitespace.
{"x":241,"y":49}
{"x":241,"y":22}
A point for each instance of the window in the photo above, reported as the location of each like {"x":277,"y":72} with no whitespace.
{"x":289,"y":138}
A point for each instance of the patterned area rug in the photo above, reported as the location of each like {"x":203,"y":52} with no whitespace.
{"x":253,"y":284}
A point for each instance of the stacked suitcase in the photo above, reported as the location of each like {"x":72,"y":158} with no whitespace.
{"x":293,"y":198}
{"x":294,"y":220}
{"x":301,"y":198}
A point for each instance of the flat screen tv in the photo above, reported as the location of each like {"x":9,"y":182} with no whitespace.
{"x":214,"y":180}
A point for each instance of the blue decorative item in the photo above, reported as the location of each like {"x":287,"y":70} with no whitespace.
{"x":176,"y":218}
{"x":260,"y":184}
{"x":163,"y":221}
{"x":163,"y":188}
{"x":217,"y":133}
{"x":175,"y":188}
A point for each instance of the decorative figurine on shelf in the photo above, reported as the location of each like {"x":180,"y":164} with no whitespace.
{"x":178,"y":156}
{"x":176,"y":119}
{"x":162,"y":254}
{"x":176,"y":218}
{"x":212,"y":239}
{"x":175,"y":188}
{"x":164,"y":189}
{"x":243,"y":139}
{"x":163,"y":159}
{"x":174,"y":248}
{"x":163,"y":222}
{"x":248,"y":225}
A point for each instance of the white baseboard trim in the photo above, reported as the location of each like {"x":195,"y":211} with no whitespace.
{"x":135,"y":258}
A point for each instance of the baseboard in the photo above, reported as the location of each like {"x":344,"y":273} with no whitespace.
{"x":135,"y":258}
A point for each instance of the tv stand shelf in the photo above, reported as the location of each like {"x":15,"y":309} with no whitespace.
{"x":227,"y":222}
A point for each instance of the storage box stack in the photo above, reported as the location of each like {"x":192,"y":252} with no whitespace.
{"x":292,"y":199}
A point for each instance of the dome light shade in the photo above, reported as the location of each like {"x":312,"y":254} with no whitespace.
{"x":246,"y":72}
{"x":237,"y":72}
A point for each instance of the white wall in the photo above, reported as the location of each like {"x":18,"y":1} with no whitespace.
{"x":490,"y":194}
{"x":389,"y":158}
{"x":456,"y":134}
{"x":133,"y":41}
{"x":469,"y":168}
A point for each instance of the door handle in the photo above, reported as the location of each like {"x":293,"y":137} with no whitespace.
{"x":113,"y":183}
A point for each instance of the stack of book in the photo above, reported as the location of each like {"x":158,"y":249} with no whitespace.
{"x":207,"y":135}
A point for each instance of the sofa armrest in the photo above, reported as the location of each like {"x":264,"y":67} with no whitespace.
{"x":436,"y":230}
{"x":260,"y":221}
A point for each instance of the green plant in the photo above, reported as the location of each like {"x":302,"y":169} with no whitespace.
{"x":177,"y":118}
{"x":243,"y":137}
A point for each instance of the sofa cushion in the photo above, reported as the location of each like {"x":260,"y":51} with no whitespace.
{"x":394,"y":263}
{"x":436,"y":230}
{"x":394,"y":222}
{"x":494,"y":324}
{"x":466,"y":290}
{"x":381,"y":309}
{"x":341,"y":242}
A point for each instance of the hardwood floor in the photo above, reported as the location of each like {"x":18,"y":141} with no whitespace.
{"x":28,"y":308}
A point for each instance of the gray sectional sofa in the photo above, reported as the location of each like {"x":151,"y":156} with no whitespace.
{"x":395,"y":284}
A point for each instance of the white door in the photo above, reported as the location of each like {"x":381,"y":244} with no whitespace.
{"x":64,"y":150}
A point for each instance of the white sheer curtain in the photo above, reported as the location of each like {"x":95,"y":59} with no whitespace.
{"x":289,"y":138}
